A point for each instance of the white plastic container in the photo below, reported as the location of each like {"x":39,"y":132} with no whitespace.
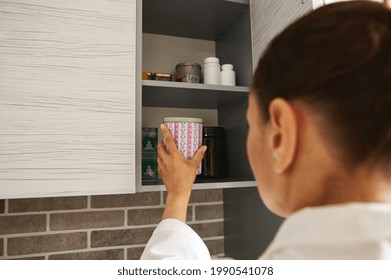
{"x":228,"y":75}
{"x":212,"y":74}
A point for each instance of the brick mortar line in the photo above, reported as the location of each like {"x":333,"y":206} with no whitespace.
{"x":89,"y":202}
{"x":48,"y":222}
{"x":212,"y":238}
{"x":126,"y":218}
{"x":89,"y":233}
{"x":207,"y":203}
{"x":193,"y":215}
{"x":5,"y":206}
{"x":85,"y":250}
{"x":84,"y":210}
{"x":161,"y":199}
{"x":5,"y":247}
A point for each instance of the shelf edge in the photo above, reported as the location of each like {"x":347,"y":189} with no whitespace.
{"x":177,"y":85}
{"x":204,"y":186}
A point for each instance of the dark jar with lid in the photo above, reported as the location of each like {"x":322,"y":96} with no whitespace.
{"x":214,"y":164}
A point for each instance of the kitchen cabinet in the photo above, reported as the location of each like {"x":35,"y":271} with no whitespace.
{"x":178,"y":31}
{"x":73,"y":103}
{"x":67,"y":97}
{"x":270,"y":17}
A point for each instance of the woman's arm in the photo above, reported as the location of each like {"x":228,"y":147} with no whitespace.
{"x":178,"y":176}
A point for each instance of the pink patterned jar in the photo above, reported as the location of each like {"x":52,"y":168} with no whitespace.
{"x":187,"y":134}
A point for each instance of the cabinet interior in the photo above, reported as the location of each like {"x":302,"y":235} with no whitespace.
{"x":175,"y":31}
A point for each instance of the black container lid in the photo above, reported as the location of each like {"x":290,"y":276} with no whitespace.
{"x":213,"y":131}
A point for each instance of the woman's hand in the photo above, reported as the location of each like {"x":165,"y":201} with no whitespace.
{"x":178,"y":175}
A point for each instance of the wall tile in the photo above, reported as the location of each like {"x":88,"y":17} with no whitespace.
{"x":209,"y":229}
{"x":46,"y":243}
{"x":47,"y":204}
{"x":82,"y":220}
{"x":2,"y":206}
{"x":93,"y":255}
{"x":1,"y":246}
{"x":215,"y":247}
{"x":206,"y":212}
{"x":125,"y":200}
{"x":150,"y":216}
{"x":203,"y":196}
{"x":29,"y":258}
{"x":135,"y":253}
{"x":206,"y":195}
{"x":105,"y":238}
{"x":22,"y":224}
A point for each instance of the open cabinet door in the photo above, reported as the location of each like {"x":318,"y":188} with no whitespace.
{"x":249,"y":226}
{"x":67,"y":97}
{"x":270,"y":17}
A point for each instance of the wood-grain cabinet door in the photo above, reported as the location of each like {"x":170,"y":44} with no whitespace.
{"x":270,"y":17}
{"x":67,"y":97}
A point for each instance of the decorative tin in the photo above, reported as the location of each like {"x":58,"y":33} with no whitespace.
{"x":188,"y":72}
{"x":187,"y":134}
{"x":149,"y":154}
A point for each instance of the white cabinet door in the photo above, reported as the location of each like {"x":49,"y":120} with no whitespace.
{"x":270,"y":17}
{"x":67,"y":97}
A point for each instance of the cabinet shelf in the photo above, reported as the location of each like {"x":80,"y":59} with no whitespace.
{"x":201,"y":184}
{"x":190,"y":95}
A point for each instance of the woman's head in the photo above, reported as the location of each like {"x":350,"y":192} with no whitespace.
{"x":321,"y":97}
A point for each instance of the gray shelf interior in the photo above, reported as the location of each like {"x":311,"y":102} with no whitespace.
{"x":198,"y":19}
{"x":185,"y":95}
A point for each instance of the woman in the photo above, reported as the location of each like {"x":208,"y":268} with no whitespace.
{"x":319,"y":142}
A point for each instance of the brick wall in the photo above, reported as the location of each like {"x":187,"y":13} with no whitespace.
{"x":99,"y":227}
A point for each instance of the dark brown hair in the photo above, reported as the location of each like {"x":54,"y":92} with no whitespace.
{"x":337,"y":59}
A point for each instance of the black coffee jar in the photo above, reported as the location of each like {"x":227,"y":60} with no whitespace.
{"x":214,"y":164}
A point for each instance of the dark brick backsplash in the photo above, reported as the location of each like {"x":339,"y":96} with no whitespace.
{"x":105,"y":238}
{"x":2,"y":206}
{"x":46,"y":243}
{"x":84,"y":220}
{"x":47,"y":204}
{"x":121,"y":200}
{"x":58,"y":228}
{"x":117,"y":254}
{"x":29,"y":258}
{"x":209,"y":229}
{"x":135,"y":253}
{"x":206,"y":212}
{"x":203,"y":196}
{"x":22,"y":224}
{"x":216,"y":247}
{"x":150,"y":216}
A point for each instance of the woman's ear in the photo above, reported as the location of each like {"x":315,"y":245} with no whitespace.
{"x":284,"y":134}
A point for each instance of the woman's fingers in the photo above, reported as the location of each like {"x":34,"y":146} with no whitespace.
{"x":168,"y":139}
{"x":161,"y":149}
{"x":160,"y":161}
{"x":198,"y":156}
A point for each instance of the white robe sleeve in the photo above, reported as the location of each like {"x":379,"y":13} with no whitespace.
{"x":174,"y":240}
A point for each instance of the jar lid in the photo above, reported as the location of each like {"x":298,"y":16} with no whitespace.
{"x":213,"y":131}
{"x":211,"y":60}
{"x":180,"y":119}
{"x":227,"y":67}
{"x":194,"y":64}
